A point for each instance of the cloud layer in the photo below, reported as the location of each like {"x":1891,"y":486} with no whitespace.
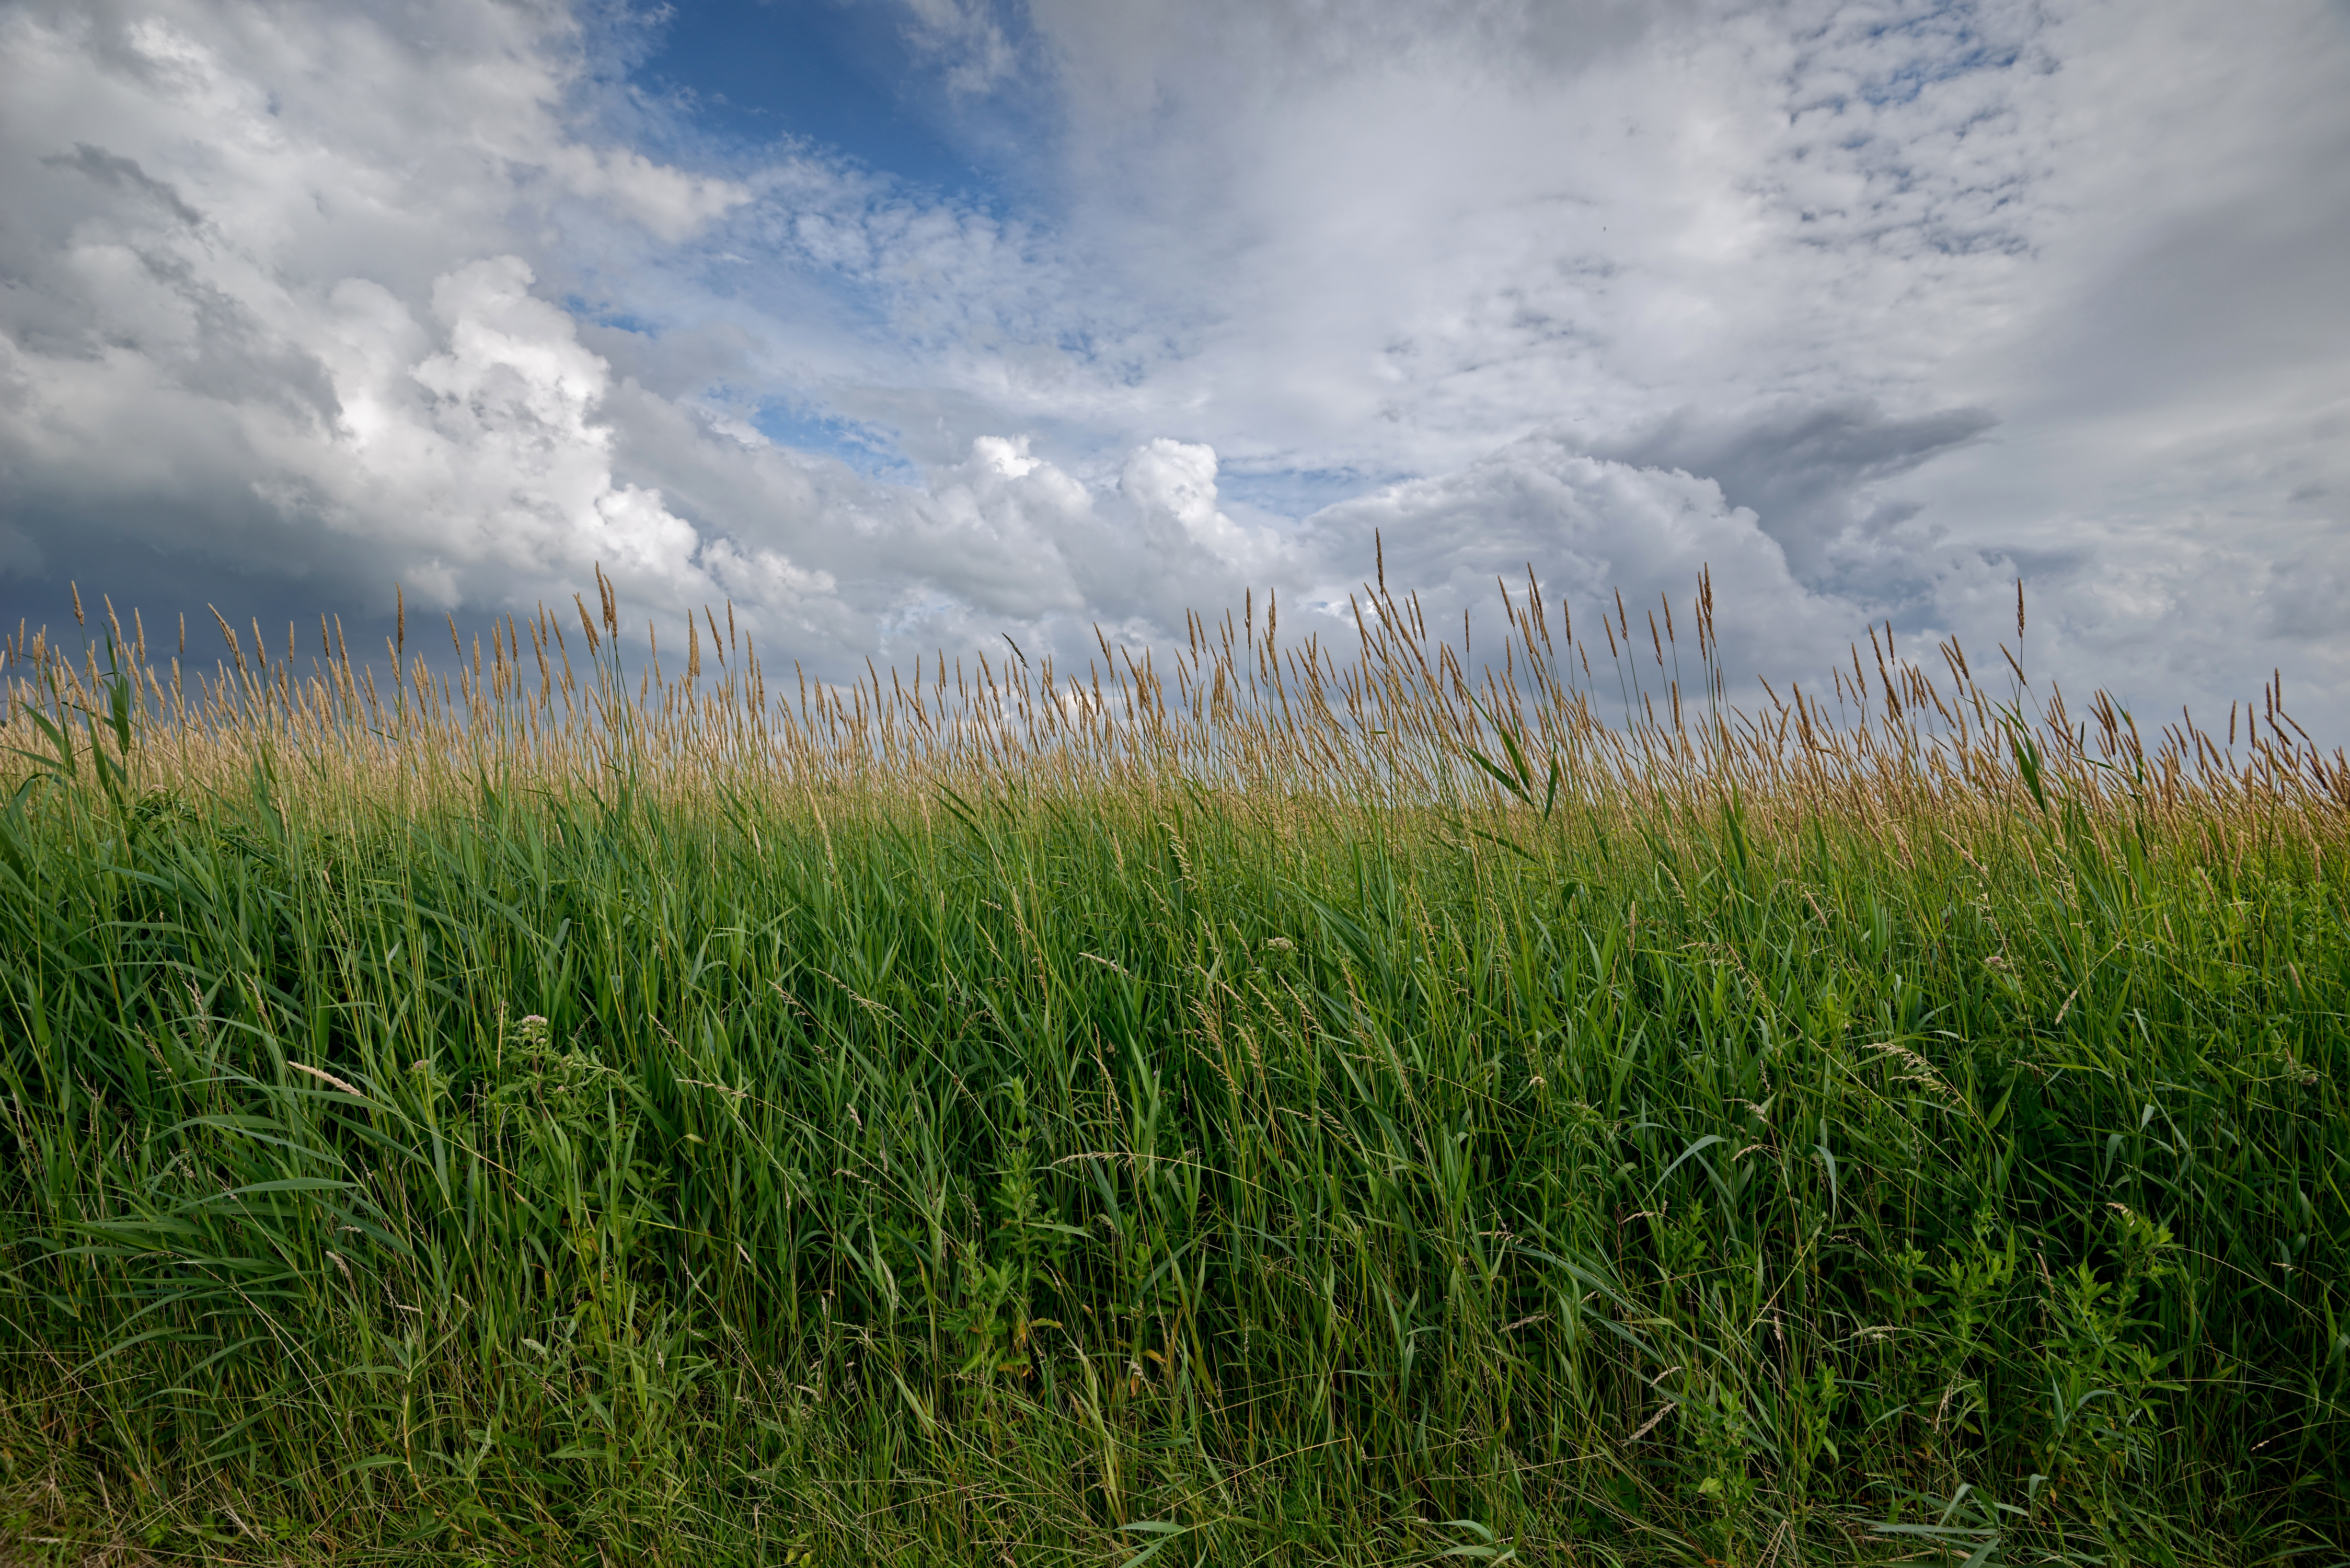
{"x":1868,"y":307}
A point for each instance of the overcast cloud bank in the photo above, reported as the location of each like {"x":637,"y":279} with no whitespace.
{"x":1871,"y":307}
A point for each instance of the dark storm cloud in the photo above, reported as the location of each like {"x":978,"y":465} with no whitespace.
{"x":1813,"y":476}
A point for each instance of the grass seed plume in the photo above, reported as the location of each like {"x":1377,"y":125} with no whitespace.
{"x":1273,"y":1101}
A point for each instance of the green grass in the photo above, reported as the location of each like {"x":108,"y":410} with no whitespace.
{"x":572,"y":1170}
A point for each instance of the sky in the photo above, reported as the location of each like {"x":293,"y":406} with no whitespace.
{"x":905,"y":325}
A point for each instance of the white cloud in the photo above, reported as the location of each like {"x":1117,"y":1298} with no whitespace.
{"x":1589,"y":528}
{"x":1868,"y":303}
{"x":672,"y":205}
{"x":978,"y":56}
{"x":1942,"y":290}
{"x":262,"y":308}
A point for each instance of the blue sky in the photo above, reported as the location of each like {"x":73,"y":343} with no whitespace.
{"x":844,"y":76}
{"x":908,"y":323}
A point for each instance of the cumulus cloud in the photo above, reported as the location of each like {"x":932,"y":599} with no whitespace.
{"x":1943,"y":293}
{"x":1815,"y":474}
{"x":259,"y":311}
{"x":1871,"y":305}
{"x":1590,"y":528}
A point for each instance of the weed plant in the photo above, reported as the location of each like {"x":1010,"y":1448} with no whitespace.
{"x":1260,"y":1106}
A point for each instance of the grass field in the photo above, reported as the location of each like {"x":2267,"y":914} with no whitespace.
{"x":1281,"y":1104}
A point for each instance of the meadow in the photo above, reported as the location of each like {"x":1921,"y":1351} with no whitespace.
{"x":593,"y":1099}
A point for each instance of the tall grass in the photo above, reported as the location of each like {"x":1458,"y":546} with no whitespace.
{"x":1274,"y":1103}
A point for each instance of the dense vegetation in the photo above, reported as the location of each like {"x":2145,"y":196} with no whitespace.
{"x":1765,"y":1143}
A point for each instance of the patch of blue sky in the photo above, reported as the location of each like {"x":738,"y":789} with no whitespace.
{"x":842,"y":76}
{"x":868,"y":449}
{"x":1951,"y":46}
{"x":619,"y":320}
{"x":1296,"y":492}
{"x":1903,"y":85}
